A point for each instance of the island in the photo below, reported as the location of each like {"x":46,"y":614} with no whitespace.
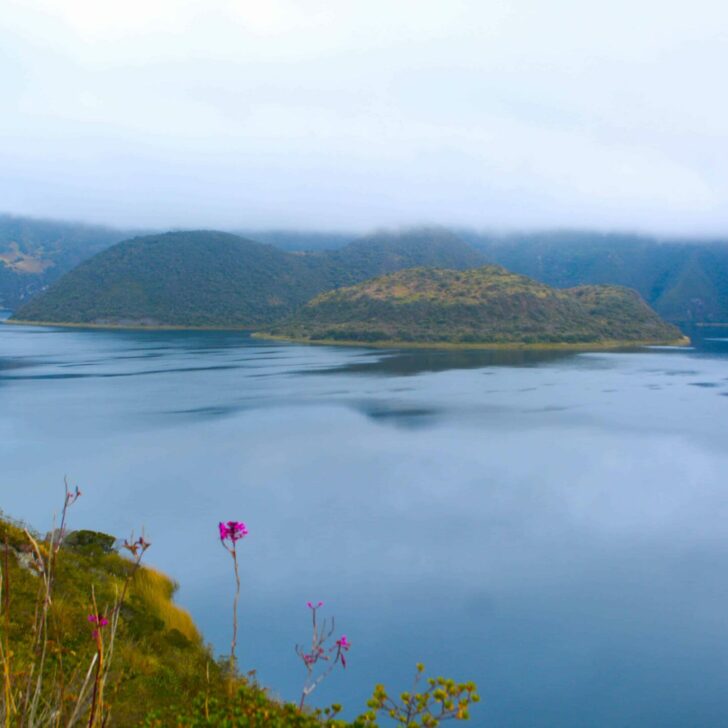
{"x":484,"y":306}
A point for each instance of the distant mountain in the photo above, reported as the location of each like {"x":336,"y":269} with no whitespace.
{"x":35,"y":253}
{"x":299,"y":240}
{"x":685,"y":281}
{"x":487,"y":305}
{"x":206,"y":278}
{"x":387,"y":251}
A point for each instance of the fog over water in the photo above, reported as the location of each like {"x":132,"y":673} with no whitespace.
{"x":551,"y":526}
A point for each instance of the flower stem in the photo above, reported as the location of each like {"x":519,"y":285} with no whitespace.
{"x":233,"y":644}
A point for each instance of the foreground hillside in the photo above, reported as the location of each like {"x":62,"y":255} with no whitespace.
{"x":159,"y":651}
{"x":213,"y":279}
{"x":89,"y":637}
{"x":487,"y":305}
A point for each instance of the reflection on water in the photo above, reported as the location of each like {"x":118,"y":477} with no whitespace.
{"x":407,"y":362}
{"x":549,"y":524}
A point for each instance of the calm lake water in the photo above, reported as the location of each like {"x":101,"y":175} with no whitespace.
{"x":552,"y":526}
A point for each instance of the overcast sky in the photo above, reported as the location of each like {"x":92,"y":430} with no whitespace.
{"x":349,"y":114}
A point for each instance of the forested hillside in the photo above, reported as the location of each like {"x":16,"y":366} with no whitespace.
{"x":685,"y":282}
{"x":213,"y":279}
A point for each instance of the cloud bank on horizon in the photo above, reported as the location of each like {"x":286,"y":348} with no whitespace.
{"x":360,"y":113}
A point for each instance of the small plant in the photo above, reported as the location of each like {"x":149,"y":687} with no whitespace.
{"x":230,"y":533}
{"x":444,"y":699}
{"x":25,"y":703}
{"x":319,"y":653}
{"x":99,"y":621}
{"x":98,"y":712}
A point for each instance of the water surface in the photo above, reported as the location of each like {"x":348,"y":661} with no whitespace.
{"x":551,"y":525}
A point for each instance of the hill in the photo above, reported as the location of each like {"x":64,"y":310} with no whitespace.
{"x":189,"y":279}
{"x":35,"y":253}
{"x":486,"y":305}
{"x":213,"y":279}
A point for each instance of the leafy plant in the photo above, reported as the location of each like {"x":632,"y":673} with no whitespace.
{"x":443,"y":699}
{"x":320,"y":653}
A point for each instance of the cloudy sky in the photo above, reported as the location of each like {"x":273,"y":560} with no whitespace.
{"x":350,"y":114}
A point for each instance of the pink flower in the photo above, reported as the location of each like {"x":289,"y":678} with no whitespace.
{"x":232,"y":531}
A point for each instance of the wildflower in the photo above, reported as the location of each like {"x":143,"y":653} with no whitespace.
{"x":100,"y":621}
{"x":232,"y":531}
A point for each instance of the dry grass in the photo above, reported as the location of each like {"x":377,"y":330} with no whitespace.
{"x":156,"y":589}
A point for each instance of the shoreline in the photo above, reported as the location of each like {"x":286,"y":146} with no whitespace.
{"x":124,"y":327}
{"x":385,"y":344}
{"x":514,"y":345}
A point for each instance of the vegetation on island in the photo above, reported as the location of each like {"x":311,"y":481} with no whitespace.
{"x":210,"y":279}
{"x":91,"y":637}
{"x":486,"y":305}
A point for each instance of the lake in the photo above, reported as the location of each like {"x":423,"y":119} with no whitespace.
{"x":551,"y":525}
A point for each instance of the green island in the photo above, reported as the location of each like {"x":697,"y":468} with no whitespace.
{"x":486,"y":306}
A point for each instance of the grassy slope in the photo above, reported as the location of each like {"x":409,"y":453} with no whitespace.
{"x":161,"y":667}
{"x":160,"y":654}
{"x":483,"y":305}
